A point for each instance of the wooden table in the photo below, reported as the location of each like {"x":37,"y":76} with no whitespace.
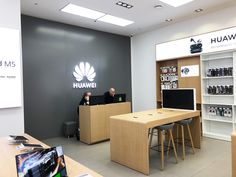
{"x":8,"y":164}
{"x":233,"y":151}
{"x":129,"y":135}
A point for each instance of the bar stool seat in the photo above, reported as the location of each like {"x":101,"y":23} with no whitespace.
{"x":162,"y":129}
{"x":185,"y":121}
{"x":166,"y":126}
{"x":182,"y":123}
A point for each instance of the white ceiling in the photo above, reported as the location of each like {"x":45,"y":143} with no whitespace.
{"x":145,"y":16}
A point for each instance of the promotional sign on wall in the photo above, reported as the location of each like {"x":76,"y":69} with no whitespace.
{"x":196,"y":45}
{"x":190,"y":71}
{"x":10,"y":73}
{"x":84,"y":74}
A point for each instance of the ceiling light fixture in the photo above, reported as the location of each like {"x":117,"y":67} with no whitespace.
{"x":176,"y":3}
{"x":123,"y":4}
{"x":115,"y":20}
{"x":81,"y":11}
{"x":95,"y":15}
{"x":198,"y":10}
{"x":169,"y":20}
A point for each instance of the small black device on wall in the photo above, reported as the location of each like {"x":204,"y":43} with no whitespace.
{"x":196,"y":47}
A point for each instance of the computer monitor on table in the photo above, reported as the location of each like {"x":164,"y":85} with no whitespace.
{"x":96,"y":100}
{"x":42,"y":163}
{"x":182,"y":98}
{"x":118,"y":98}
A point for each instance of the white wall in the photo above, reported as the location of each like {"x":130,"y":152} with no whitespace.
{"x":143,"y":60}
{"x":11,"y":120}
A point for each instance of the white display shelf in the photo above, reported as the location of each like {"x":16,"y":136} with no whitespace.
{"x":214,"y":103}
{"x":218,"y":120}
{"x":217,"y":95}
{"x":220,"y":77}
{"x":217,"y":58}
{"x":216,"y":126}
{"x":217,"y":136}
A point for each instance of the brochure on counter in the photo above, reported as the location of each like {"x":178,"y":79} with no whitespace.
{"x":15,"y":139}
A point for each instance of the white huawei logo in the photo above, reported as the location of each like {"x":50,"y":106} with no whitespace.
{"x":84,"y":70}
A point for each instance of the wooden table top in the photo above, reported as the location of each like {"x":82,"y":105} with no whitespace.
{"x":157,"y":116}
{"x":8,"y":164}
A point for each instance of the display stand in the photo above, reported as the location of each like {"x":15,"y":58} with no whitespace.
{"x":168,"y":76}
{"x":218,"y":94}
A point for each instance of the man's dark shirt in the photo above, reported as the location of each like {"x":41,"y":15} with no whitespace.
{"x":108,"y":98}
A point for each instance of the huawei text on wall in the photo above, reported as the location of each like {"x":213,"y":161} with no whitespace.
{"x":84,"y":74}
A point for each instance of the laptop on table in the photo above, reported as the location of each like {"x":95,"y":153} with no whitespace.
{"x":42,"y":163}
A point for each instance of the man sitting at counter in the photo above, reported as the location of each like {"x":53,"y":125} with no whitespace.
{"x":85,"y":98}
{"x":109,"y":96}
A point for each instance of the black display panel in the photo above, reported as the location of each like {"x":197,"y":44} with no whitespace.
{"x":96,"y":100}
{"x":179,"y":99}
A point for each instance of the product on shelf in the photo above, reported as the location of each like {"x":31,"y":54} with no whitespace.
{"x":168,"y":69}
{"x":219,"y":111}
{"x":169,"y":77}
{"x":219,"y":72}
{"x":168,"y":85}
{"x":220,"y":90}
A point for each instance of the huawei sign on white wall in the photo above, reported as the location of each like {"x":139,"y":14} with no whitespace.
{"x":10,"y":73}
{"x":84,"y":74}
{"x":196,"y":45}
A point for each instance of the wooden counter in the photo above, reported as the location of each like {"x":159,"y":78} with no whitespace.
{"x":8,"y":163}
{"x":233,"y":151}
{"x":94,"y":120}
{"x":129,"y":135}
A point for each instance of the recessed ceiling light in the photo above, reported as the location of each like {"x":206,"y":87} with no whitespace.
{"x":198,"y":10}
{"x":176,"y":3}
{"x":81,"y":11}
{"x":158,"y":6}
{"x":169,"y":20}
{"x":115,"y":20}
{"x":123,"y":4}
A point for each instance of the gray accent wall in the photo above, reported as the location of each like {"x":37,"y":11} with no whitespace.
{"x":50,"y":52}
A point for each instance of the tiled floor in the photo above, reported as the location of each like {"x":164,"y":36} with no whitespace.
{"x":213,"y":160}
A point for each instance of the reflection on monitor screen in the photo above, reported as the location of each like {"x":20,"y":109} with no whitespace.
{"x":42,"y":163}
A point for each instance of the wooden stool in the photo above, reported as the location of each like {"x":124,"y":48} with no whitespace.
{"x":183,"y":123}
{"x":162,"y":129}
